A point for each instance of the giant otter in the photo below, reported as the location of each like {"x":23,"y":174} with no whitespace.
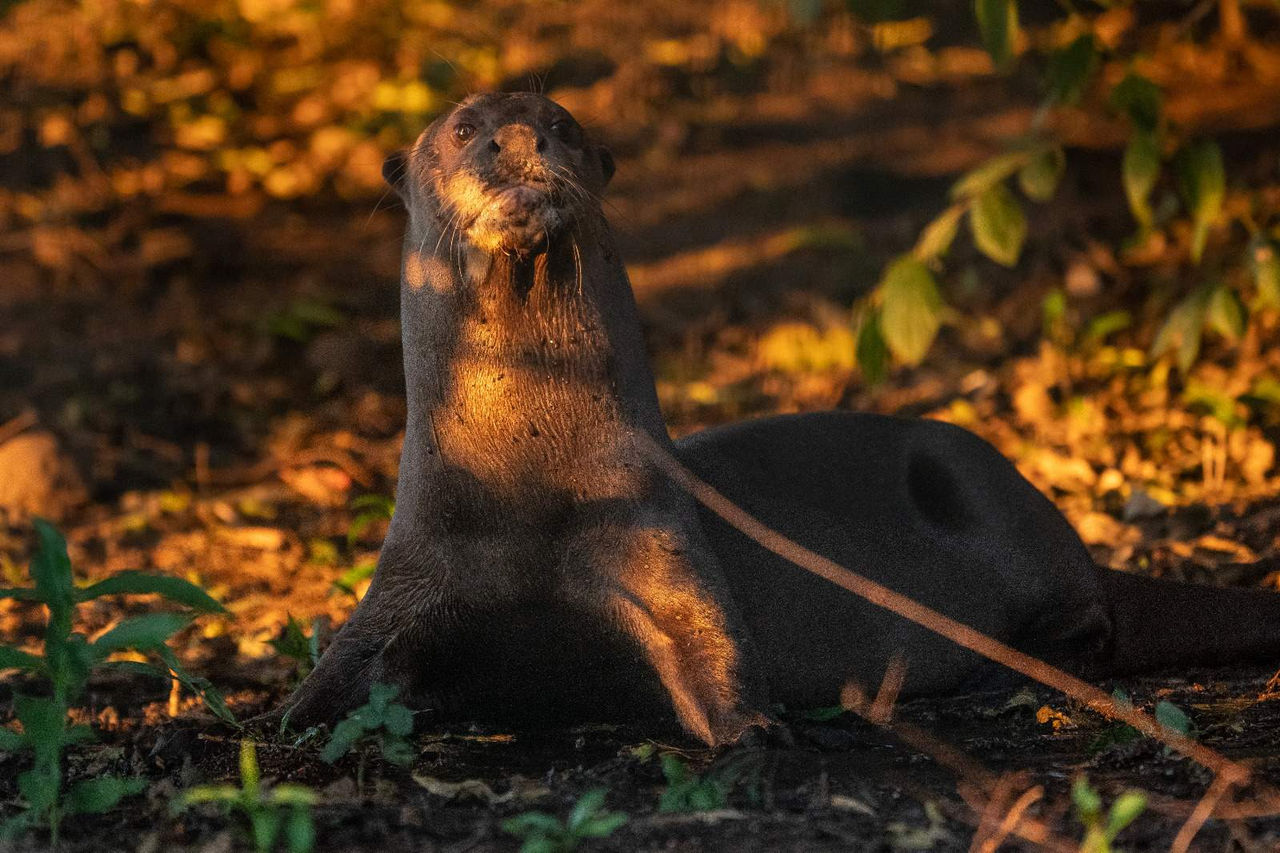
{"x":538,"y":569}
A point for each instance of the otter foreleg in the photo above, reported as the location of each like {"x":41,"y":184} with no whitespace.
{"x":684,"y":637}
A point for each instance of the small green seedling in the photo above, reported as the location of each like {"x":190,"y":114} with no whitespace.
{"x":270,"y":811}
{"x":302,"y":319}
{"x":1100,"y":830}
{"x":67,"y":660}
{"x":382,"y":722}
{"x":294,"y":643}
{"x":1167,"y":714}
{"x":689,"y":792}
{"x":546,"y":833}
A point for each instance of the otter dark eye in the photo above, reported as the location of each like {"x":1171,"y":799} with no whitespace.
{"x":567,"y":131}
{"x":463,"y":132}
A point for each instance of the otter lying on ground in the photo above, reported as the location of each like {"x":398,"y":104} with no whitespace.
{"x":538,"y":569}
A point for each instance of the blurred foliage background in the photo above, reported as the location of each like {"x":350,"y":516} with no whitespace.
{"x":1052,"y":222}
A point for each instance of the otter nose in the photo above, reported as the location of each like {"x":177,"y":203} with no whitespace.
{"x":518,"y":142}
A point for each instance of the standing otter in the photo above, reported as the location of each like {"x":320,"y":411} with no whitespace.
{"x":538,"y":569}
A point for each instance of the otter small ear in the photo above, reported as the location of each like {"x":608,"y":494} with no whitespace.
{"x":607,"y":167}
{"x":394,"y":170}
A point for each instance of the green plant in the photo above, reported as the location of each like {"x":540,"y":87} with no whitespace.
{"x":65,"y":664}
{"x":690,"y":792}
{"x":294,"y":643}
{"x":369,"y":510}
{"x":302,"y":319}
{"x":546,"y":833}
{"x":1101,"y":828}
{"x":348,"y":580}
{"x":270,"y":810}
{"x":380,"y":722}
{"x":1166,"y":713}
{"x":901,"y":317}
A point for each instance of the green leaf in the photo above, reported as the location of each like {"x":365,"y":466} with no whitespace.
{"x":373,"y":502}
{"x":381,"y":696}
{"x":1172,"y":717}
{"x":141,"y":633}
{"x":39,"y":787}
{"x":588,"y":804}
{"x":16,"y":825}
{"x":1071,"y":68}
{"x":201,"y":687}
{"x":265,"y":825}
{"x":11,"y":741}
{"x":910,"y":309}
{"x":1225,"y":313}
{"x":824,"y":715}
{"x":1087,"y":801}
{"x":1264,"y":259}
{"x":1040,"y":176}
{"x":42,"y":718}
{"x":707,"y":796}
{"x":872,"y":353}
{"x":541,"y":844}
{"x":1126,"y":809}
{"x":290,"y":794}
{"x":51,"y":570}
{"x":134,"y":667}
{"x":998,"y":225}
{"x":1138,"y":98}
{"x":201,"y":794}
{"x":370,"y":508}
{"x":141,"y":583}
{"x":1141,"y":169}
{"x":95,"y":796}
{"x":347,"y":581}
{"x":21,"y":593}
{"x":602,"y":825}
{"x":398,"y":751}
{"x":998,"y":23}
{"x":1104,"y":325}
{"x":938,"y":235}
{"x":398,"y":720}
{"x":1053,"y":310}
{"x":673,"y":769}
{"x":293,"y":642}
{"x":1183,"y":330}
{"x":11,"y":658}
{"x":989,"y":173}
{"x":300,"y":831}
{"x":523,"y":825}
{"x":345,"y":735}
{"x":1203,"y":183}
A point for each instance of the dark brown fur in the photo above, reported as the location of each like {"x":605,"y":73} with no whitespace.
{"x":538,"y":570}
{"x":535,"y":567}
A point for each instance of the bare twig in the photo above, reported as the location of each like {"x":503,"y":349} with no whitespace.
{"x":1220,"y":788}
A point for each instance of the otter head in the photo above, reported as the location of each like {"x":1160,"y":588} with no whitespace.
{"x":509,"y":172}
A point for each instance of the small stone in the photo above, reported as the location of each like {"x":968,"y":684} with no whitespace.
{"x":36,"y":478}
{"x":1141,"y":505}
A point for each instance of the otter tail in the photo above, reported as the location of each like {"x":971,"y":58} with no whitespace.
{"x":1157,"y":623}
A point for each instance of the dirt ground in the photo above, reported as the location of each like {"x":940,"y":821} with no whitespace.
{"x":221,"y":411}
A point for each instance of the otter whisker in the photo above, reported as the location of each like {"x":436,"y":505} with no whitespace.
{"x":577,"y":261}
